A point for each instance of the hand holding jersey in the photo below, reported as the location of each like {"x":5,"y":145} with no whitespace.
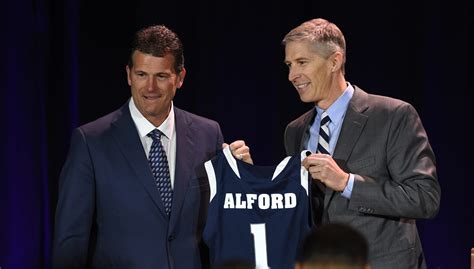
{"x":239,"y":150}
{"x":322,"y":167}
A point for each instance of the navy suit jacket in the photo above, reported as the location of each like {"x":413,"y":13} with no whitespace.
{"x":109,"y":212}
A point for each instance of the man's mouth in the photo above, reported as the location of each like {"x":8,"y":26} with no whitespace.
{"x":301,"y":85}
{"x":152,"y":97}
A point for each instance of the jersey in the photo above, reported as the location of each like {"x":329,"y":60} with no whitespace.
{"x":258,"y":214}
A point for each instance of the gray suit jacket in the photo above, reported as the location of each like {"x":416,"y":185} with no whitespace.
{"x":383,"y":143}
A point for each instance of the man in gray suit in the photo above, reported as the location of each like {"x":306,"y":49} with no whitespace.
{"x":374,"y":168}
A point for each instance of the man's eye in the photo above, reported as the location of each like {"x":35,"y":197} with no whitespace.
{"x":163,"y":76}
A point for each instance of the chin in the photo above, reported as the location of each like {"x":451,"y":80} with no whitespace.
{"x":155,"y":113}
{"x":306,"y":99}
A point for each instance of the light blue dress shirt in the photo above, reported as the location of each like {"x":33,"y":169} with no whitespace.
{"x":336,"y":112}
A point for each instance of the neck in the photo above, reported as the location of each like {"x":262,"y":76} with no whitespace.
{"x":336,"y":87}
{"x":157,"y":119}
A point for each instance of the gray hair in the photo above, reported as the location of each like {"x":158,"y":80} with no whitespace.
{"x":326,"y":38}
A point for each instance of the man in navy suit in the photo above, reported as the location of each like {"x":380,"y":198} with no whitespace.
{"x":110,"y":213}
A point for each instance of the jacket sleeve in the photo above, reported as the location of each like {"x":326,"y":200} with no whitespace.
{"x":411,"y":188}
{"x":75,"y":207}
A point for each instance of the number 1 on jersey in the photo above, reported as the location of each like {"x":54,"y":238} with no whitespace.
{"x":260,"y":245}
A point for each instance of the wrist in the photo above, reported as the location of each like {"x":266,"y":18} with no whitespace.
{"x":345,"y":181}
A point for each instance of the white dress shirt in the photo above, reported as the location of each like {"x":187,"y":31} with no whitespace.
{"x":168,"y":139}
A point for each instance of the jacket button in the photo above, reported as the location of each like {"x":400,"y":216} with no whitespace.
{"x":171,"y":238}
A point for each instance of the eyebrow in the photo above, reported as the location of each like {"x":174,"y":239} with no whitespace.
{"x":297,"y":59}
{"x":301,"y":58}
{"x":153,"y":74}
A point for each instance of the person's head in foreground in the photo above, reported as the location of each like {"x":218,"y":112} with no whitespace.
{"x":334,"y":246}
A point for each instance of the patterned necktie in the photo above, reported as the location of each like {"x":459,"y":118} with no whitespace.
{"x":323,"y":141}
{"x":323,"y":147}
{"x":159,"y":167}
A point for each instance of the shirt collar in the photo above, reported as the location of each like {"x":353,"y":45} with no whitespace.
{"x":338,"y":109}
{"x":144,"y":126}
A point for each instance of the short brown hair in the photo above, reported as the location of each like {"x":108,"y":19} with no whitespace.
{"x":158,"y":41}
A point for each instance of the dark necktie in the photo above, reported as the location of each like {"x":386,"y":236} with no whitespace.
{"x":159,"y":167}
{"x":323,"y":141}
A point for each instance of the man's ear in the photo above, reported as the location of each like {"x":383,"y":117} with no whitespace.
{"x":128,"y":75}
{"x":181,"y":76}
{"x":336,"y":61}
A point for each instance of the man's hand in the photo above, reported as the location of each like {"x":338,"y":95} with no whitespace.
{"x":323,"y":168}
{"x":240,"y":151}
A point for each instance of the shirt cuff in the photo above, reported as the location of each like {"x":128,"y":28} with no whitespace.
{"x":347,"y":193}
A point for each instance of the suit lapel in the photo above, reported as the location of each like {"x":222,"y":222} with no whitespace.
{"x":184,"y":162}
{"x":126,"y":135}
{"x":352,"y":126}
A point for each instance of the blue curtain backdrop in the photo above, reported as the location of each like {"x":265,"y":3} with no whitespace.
{"x":63,"y":64}
{"x":39,"y":109}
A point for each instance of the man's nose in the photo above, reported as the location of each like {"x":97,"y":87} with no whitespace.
{"x":151,"y":83}
{"x":293,"y":74}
